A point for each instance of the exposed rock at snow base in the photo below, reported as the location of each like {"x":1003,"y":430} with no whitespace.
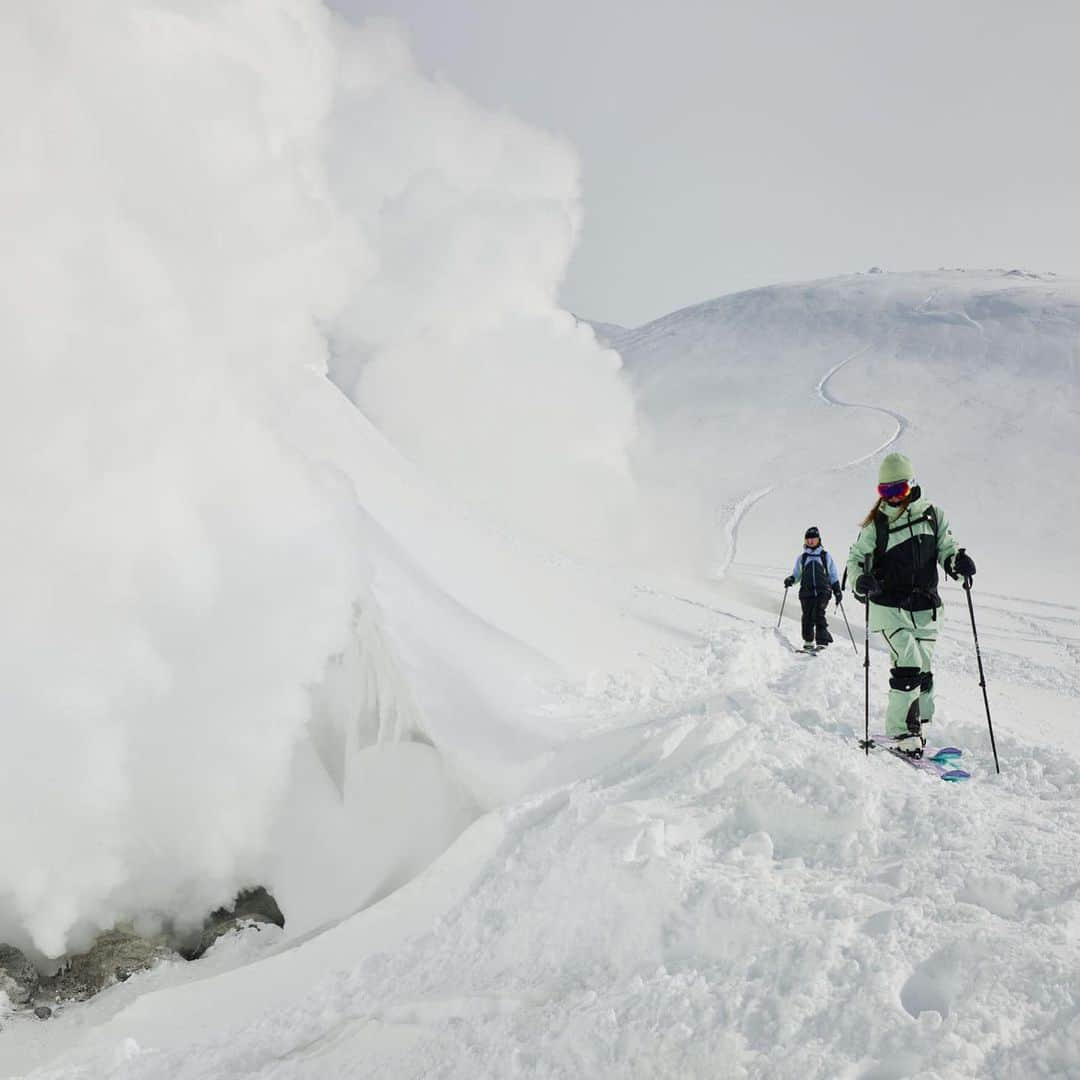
{"x":18,"y":977}
{"x":119,"y":953}
{"x":252,"y":907}
{"x":114,"y":957}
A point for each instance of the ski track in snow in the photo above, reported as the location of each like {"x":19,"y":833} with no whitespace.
{"x":901,"y":421}
{"x":734,"y":518}
{"x":961,"y":316}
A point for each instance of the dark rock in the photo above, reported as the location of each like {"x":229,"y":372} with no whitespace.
{"x":18,"y":977}
{"x":43,"y":1012}
{"x":259,"y":905}
{"x":114,"y":957}
{"x":252,"y":906}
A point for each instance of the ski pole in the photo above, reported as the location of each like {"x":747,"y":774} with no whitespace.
{"x":782,"y":603}
{"x":866,"y":663}
{"x":848,"y":625}
{"x":982,"y":676}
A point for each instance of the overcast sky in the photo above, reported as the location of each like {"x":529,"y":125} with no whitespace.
{"x":728,"y":145}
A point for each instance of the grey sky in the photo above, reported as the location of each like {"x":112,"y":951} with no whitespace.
{"x":730,"y":145}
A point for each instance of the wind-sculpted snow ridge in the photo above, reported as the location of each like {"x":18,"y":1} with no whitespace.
{"x":714,"y":881}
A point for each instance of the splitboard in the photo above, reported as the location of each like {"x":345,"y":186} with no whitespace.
{"x":940,"y":763}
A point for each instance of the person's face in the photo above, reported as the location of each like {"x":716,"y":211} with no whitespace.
{"x":813,"y":541}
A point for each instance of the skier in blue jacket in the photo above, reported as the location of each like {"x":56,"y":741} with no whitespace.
{"x":816,"y":574}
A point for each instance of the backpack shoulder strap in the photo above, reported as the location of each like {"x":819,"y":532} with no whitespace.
{"x":931,"y":516}
{"x":825,"y":568}
{"x":881,"y":539}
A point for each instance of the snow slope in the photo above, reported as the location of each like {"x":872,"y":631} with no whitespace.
{"x":771,"y":404}
{"x":682,"y":865}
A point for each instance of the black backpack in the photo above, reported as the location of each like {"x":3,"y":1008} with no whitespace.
{"x":911,"y":584}
{"x":824,"y":567}
{"x":883,"y":530}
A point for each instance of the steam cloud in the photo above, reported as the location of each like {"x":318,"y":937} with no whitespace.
{"x":196,"y":197}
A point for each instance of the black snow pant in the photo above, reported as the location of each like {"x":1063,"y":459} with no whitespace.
{"x":813,"y":617}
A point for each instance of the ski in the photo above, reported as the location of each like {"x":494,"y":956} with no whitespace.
{"x":799,"y":650}
{"x":941,"y":763}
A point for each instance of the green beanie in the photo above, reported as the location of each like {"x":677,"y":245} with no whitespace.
{"x":895,"y":467}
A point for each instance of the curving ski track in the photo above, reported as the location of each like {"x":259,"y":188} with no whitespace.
{"x":738,"y":513}
{"x":731,"y":526}
{"x":901,"y":421}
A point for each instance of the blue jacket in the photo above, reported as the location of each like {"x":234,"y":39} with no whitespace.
{"x":815,"y":571}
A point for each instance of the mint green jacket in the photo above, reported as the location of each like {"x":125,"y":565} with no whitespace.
{"x":867,"y":539}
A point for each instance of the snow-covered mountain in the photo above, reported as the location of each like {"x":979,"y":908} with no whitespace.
{"x":775,"y":402}
{"x":678,"y":863}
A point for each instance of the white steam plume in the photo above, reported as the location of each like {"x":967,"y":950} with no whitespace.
{"x":174,"y":573}
{"x":455,"y":345}
{"x":193,"y":194}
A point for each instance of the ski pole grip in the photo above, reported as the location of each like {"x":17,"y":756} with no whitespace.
{"x":967,"y":580}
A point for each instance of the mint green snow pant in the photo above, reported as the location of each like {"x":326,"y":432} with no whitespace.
{"x":912,"y":636}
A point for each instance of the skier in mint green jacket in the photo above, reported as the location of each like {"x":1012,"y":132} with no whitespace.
{"x":894,"y":563}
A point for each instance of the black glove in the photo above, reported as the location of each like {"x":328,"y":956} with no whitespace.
{"x":960,"y":565}
{"x":866,"y":585}
{"x":836,"y":590}
{"x":789,"y":581}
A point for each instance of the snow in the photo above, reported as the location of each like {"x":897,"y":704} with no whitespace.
{"x":729,"y":885}
{"x":470,"y":653}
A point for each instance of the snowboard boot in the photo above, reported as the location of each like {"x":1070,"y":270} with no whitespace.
{"x":912,"y":742}
{"x":909,"y":745}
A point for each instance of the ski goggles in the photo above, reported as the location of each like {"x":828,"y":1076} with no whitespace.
{"x":898,"y":489}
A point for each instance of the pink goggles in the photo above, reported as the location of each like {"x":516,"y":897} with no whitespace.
{"x":898,"y":489}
